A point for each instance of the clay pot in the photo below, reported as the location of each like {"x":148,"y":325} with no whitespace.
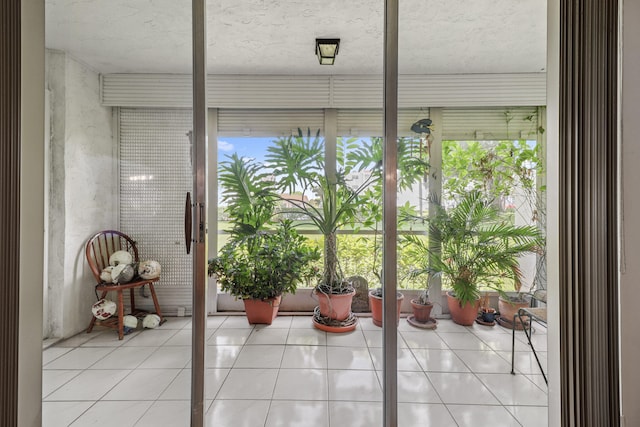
{"x":462,"y":315}
{"x":262,"y":311}
{"x":335,"y":306}
{"x":421,"y":312}
{"x":508,"y":309}
{"x":375,"y":303}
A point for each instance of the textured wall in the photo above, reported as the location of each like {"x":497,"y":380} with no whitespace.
{"x":82,"y":193}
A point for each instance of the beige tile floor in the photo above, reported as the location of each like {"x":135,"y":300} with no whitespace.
{"x":290,"y":374}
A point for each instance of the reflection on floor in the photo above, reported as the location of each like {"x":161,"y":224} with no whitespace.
{"x":290,"y":374}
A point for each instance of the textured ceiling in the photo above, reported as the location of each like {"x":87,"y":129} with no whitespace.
{"x":277,"y":37}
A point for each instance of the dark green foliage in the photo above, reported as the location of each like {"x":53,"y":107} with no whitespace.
{"x":472,"y":247}
{"x":299,"y":166}
{"x":261,"y":259}
{"x":263,"y":264}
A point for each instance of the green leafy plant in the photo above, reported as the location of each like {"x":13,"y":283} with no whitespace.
{"x":263,"y":264}
{"x":472,"y":247}
{"x":509,"y":173}
{"x":299,"y":166}
{"x":261,"y":259}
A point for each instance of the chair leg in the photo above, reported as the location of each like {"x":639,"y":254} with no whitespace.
{"x":120,"y":315}
{"x":133,"y":301}
{"x":155,"y":303}
{"x":513,"y":345}
{"x":93,"y":318}
{"x":535,"y":354}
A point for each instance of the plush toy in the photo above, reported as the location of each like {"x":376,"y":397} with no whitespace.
{"x":104,"y":309}
{"x":151,"y":321}
{"x":120,"y":257}
{"x":105,"y":274}
{"x":149,"y":269}
{"x":130,"y":323}
{"x":122,"y":273}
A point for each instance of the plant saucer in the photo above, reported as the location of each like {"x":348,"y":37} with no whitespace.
{"x":482,"y":322}
{"x":429,"y":324}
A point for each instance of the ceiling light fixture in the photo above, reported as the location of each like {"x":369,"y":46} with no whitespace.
{"x":327,"y":49}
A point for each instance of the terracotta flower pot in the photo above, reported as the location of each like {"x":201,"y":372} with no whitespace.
{"x":335,"y":306}
{"x":508,"y":309}
{"x":375,"y":303}
{"x":262,"y":311}
{"x":462,"y":315}
{"x":421,"y":312}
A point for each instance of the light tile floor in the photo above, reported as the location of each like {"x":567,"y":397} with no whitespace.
{"x":291,"y":374}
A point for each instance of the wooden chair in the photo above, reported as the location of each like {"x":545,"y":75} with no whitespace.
{"x":98,"y":250}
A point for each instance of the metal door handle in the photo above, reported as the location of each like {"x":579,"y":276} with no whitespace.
{"x":188,"y":223}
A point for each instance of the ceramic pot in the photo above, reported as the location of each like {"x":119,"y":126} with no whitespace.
{"x":488,"y":315}
{"x":509,"y":309}
{"x":421,"y":312}
{"x":335,"y":306}
{"x":462,"y":315}
{"x":262,"y":311}
{"x":375,"y":303}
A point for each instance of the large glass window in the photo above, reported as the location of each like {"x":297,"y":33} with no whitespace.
{"x":508,"y":173}
{"x":358,"y":168}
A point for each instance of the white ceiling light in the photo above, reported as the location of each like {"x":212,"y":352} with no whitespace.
{"x":327,"y":49}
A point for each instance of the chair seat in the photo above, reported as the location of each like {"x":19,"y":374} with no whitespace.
{"x":540,"y":313}
{"x":109,"y":287}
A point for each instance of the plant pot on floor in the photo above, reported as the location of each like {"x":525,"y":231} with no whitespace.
{"x":335,"y":306}
{"x":421,"y":312}
{"x":508,"y":309}
{"x":375,"y":303}
{"x":462,"y":315}
{"x":262,"y":311}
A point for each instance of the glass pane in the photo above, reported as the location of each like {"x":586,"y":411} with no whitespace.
{"x":118,"y":77}
{"x":471,"y":68}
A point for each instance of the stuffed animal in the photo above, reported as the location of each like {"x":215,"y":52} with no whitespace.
{"x":122,"y":273}
{"x":120,"y":257}
{"x":149,"y":269}
{"x":104,"y":309}
{"x":105,"y":274}
{"x":151,"y":321}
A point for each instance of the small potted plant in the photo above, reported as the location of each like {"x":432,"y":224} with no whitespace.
{"x":488,"y":314}
{"x":422,"y":307}
{"x":472,"y":247}
{"x":260,"y":267}
{"x":375,"y":303}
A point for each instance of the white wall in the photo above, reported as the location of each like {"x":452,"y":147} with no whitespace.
{"x":630,"y":250}
{"x":83,"y":192}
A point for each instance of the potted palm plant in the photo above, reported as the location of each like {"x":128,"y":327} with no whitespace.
{"x":475,"y":249}
{"x":262,"y":259}
{"x":299,"y":166}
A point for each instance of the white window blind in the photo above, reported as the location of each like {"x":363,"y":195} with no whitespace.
{"x":155,"y":175}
